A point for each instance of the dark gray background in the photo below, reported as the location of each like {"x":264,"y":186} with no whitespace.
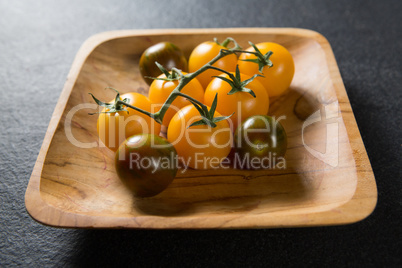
{"x":38,"y":41}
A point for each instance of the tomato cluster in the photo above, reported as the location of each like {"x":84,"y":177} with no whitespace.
{"x":212,"y":113}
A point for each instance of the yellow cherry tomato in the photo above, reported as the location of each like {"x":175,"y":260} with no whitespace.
{"x":204,"y":53}
{"x":114,"y":128}
{"x":242,"y":104}
{"x":200,"y":147}
{"x":276,"y":79}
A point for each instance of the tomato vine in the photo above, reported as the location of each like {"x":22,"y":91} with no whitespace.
{"x":176,"y":74}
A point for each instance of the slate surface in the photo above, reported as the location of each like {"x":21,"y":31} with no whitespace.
{"x":38,"y":41}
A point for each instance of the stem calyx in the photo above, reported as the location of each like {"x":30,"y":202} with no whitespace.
{"x":235,"y":81}
{"x":174,"y":75}
{"x":114,"y":107}
{"x":207,"y":117}
{"x":261,"y":60}
{"x":226,"y":43}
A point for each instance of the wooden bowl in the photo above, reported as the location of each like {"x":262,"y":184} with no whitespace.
{"x":328,"y":178}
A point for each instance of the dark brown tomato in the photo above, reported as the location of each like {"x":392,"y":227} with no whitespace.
{"x":259,"y":137}
{"x":166,"y":54}
{"x":146,"y":164}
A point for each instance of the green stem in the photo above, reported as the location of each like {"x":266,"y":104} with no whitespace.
{"x":161,"y":113}
{"x":188,"y":97}
{"x":235,"y":81}
{"x":227,"y":41}
{"x":152,"y":115}
{"x":204,"y":107}
{"x":245,"y":51}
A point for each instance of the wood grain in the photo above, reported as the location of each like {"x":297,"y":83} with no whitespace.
{"x":78,"y":187}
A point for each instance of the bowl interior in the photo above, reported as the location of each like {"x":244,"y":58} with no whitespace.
{"x":320,"y":171}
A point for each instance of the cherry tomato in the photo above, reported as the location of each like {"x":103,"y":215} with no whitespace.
{"x":114,"y":128}
{"x":200,"y":147}
{"x":165,"y":53}
{"x":276,"y":79}
{"x":242,"y":104}
{"x":160,"y":90}
{"x":146,"y":164}
{"x":204,"y":53}
{"x":260,"y":137}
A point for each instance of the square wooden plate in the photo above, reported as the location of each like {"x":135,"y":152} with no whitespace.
{"x":328,"y":178}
